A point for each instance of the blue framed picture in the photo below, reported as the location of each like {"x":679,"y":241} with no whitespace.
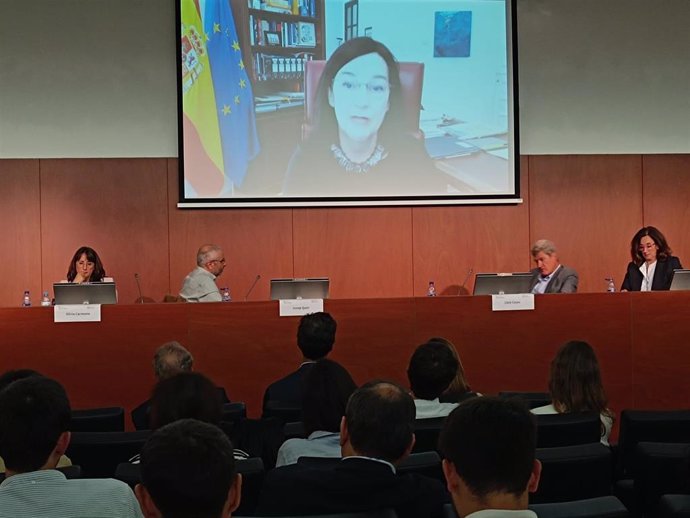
{"x":452,"y":34}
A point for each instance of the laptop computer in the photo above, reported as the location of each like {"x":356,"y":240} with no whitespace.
{"x":91,"y":293}
{"x":314,"y":288}
{"x":681,"y":280}
{"x":502,"y":283}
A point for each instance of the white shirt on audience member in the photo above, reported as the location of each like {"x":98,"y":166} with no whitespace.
{"x":318,"y":444}
{"x":430,"y":408}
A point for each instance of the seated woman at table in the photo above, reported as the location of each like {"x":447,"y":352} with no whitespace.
{"x":327,"y":387}
{"x":575,"y":385}
{"x":359,"y":143}
{"x":86,"y":266}
{"x":652,"y":264}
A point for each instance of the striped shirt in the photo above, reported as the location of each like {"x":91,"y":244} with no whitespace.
{"x":48,"y":494}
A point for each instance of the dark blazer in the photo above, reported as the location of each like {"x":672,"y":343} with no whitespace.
{"x":663,"y":275}
{"x":564,"y":280}
{"x":288,"y":390}
{"x":353,"y":485}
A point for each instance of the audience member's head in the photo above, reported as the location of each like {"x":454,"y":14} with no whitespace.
{"x":459,"y":385}
{"x":379,"y":422}
{"x":17,"y":374}
{"x":327,"y":388}
{"x":185,"y":395}
{"x":316,"y":335}
{"x":188,"y":469}
{"x":488,"y":445}
{"x":170,"y":359}
{"x":431,"y":370}
{"x":575,"y":380}
{"x":34,"y":422}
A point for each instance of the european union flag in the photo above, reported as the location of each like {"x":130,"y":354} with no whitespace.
{"x":233,"y":92}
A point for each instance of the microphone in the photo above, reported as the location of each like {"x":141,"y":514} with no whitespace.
{"x":467,"y":278}
{"x":258,"y":276}
{"x":141,"y":297}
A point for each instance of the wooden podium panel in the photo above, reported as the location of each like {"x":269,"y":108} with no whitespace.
{"x":640,"y":339}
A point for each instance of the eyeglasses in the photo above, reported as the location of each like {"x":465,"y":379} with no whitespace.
{"x":374,"y":88}
{"x":221,"y":261}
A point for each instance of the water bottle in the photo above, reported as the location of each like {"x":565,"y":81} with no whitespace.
{"x":611,"y":288}
{"x":431,"y":290}
{"x":225,"y":292}
{"x":45,"y":300}
{"x":27,"y":299}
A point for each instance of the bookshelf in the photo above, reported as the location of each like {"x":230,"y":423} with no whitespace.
{"x":277,"y":38}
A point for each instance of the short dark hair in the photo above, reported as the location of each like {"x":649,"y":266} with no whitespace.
{"x":185,"y":395}
{"x":327,"y":388}
{"x":380,"y":419}
{"x":188,"y":468}
{"x":316,"y":335}
{"x":431,"y":370}
{"x":14,"y":375}
{"x":491,"y":442}
{"x":171,"y":358}
{"x":34,"y":412}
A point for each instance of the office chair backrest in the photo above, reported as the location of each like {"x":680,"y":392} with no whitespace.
{"x":99,"y":453}
{"x":664,"y":468}
{"x":109,"y":419}
{"x":426,"y":433}
{"x":532,"y":399}
{"x":674,"y":506}
{"x":555,"y":430}
{"x":602,"y":507}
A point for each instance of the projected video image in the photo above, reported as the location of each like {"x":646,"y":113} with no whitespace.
{"x":366,"y":100}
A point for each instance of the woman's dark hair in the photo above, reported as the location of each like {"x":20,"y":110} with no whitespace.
{"x":327,"y":387}
{"x":91,"y":256}
{"x":575,"y":380}
{"x":459,"y":384}
{"x":662,"y":254}
{"x":326,"y":125}
{"x":185,"y":395}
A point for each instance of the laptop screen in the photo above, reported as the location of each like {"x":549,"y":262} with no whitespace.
{"x":316,"y":288}
{"x":91,"y":293}
{"x":502,"y":283}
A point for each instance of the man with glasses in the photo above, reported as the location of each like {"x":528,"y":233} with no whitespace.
{"x":200,"y":285}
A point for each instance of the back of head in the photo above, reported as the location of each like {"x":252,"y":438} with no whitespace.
{"x":316,"y":335}
{"x":327,"y":388}
{"x":187,"y":467}
{"x":575,"y":379}
{"x":459,"y":385}
{"x":170,"y":359}
{"x":431,"y":370}
{"x":14,"y":375}
{"x":34,"y":412}
{"x":185,"y":395}
{"x":491,"y":443}
{"x":380,"y":419}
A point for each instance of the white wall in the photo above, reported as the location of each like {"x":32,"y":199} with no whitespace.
{"x":96,"y":78}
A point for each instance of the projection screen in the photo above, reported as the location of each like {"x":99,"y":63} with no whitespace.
{"x":359,"y":102}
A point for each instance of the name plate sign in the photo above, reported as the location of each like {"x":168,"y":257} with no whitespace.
{"x":299,"y":307}
{"x":517,"y":302}
{"x":77,"y":313}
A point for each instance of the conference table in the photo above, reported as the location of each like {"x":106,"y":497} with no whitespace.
{"x":641,"y":339}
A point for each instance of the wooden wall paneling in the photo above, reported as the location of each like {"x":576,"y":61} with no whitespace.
{"x":116,"y":206}
{"x":661,"y":340}
{"x":365,"y":251}
{"x":449,"y":241}
{"x":666,"y":199}
{"x":20,"y":240}
{"x":255,"y":242}
{"x":590,"y":206}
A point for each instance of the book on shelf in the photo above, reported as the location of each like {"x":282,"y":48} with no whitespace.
{"x":305,"y":8}
{"x":293,"y":34}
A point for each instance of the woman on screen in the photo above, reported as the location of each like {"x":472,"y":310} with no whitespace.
{"x":652,"y":265}
{"x":85,"y":266}
{"x":358,"y":144}
{"x":575,"y":385}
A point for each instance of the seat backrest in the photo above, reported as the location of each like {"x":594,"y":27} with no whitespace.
{"x":555,"y":430}
{"x":602,"y":507}
{"x":674,"y":506}
{"x":649,"y":426}
{"x":426,"y":433}
{"x":234,"y":411}
{"x":574,"y":473}
{"x":109,"y":419}
{"x":661,"y":468}
{"x":294,"y":430}
{"x":99,"y":453}
{"x":427,"y":463}
{"x":284,"y":412}
{"x":411,"y":82}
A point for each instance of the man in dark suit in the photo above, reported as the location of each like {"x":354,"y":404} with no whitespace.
{"x":488,"y":445}
{"x":315,"y":338}
{"x":550,"y":276}
{"x":375,"y":435}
